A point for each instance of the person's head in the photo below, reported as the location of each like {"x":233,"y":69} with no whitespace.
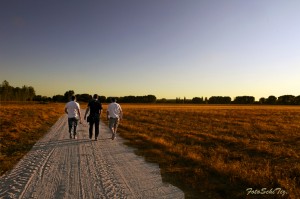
{"x":95,"y":96}
{"x":73,"y":97}
{"x":113,"y":99}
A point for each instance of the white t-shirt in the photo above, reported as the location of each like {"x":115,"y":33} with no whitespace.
{"x":114,"y":110}
{"x":72,"y":108}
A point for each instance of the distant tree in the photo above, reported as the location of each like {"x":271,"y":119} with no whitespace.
{"x":108,"y":100}
{"x":58,"y":98}
{"x":206,"y":100}
{"x":83,"y":97}
{"x":219,"y":100}
{"x":197,"y":100}
{"x":297,"y":100}
{"x":9,"y":93}
{"x":68,"y":94}
{"x":271,"y":99}
{"x":31,"y":92}
{"x":244,"y":100}
{"x":163,"y":100}
{"x":286,"y":99}
{"x":25,"y":93}
{"x":17,"y":94}
{"x":40,"y":98}
{"x":6,"y":91}
{"x":37,"y":98}
{"x":138,"y":99}
{"x":262,"y":100}
{"x":179,"y":101}
{"x":151,"y":98}
{"x":102,"y":98}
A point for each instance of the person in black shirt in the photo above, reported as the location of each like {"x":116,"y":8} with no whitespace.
{"x":95,"y":109}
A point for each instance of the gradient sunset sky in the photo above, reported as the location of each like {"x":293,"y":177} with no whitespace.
{"x":168,"y":48}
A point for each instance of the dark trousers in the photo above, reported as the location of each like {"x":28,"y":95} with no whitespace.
{"x":96,"y":122}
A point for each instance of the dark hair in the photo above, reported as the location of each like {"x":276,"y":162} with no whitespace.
{"x":113,"y":99}
{"x":73,"y":97}
{"x":95,"y":96}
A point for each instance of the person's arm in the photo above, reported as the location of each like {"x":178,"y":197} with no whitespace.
{"x":107,"y":112}
{"x":86,"y":112}
{"x":79,"y":114}
{"x":100,"y":110}
{"x":66,"y":110}
{"x":121,"y":113}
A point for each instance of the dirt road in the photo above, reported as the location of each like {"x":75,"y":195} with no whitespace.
{"x":60,"y":167}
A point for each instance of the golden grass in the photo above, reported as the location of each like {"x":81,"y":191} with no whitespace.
{"x":21,"y":125}
{"x":219,"y":151}
{"x":207,"y":151}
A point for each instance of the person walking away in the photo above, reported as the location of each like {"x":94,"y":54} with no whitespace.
{"x":114,"y":115}
{"x":95,"y":109}
{"x":72,"y":108}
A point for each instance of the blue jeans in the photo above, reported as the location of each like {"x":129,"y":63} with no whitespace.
{"x":72,"y":121}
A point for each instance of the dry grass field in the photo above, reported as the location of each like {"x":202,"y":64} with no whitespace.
{"x":208,"y":151}
{"x":220,"y":151}
{"x":21,"y":125}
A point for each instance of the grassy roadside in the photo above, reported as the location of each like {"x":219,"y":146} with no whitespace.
{"x":21,"y":126}
{"x":219,"y":151}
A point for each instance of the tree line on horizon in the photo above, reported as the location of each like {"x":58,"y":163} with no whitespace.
{"x":27,"y":93}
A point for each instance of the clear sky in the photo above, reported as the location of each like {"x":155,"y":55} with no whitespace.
{"x":168,"y":48}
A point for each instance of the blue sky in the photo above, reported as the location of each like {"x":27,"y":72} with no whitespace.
{"x":168,"y":48}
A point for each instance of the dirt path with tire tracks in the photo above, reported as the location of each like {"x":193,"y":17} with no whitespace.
{"x":60,"y":167}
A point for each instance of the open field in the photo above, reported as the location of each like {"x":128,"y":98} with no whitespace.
{"x":21,"y":125}
{"x":219,"y":151}
{"x":209,"y":151}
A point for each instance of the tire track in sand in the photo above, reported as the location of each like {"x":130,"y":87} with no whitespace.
{"x":60,"y":167}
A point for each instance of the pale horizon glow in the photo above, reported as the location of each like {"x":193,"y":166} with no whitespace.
{"x":169,"y":48}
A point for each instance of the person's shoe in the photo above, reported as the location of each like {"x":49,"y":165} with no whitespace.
{"x":75,"y":137}
{"x":96,"y":139}
{"x":113,"y":137}
{"x":70,"y":135}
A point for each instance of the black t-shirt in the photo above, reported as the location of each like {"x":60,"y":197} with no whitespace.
{"x":95,"y":107}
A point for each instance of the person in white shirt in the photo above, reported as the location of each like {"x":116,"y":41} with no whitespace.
{"x":72,"y":108}
{"x":114,"y":115}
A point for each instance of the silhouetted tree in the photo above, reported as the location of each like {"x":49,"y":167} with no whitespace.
{"x":244,"y":100}
{"x":68,"y":94}
{"x":83,"y":97}
{"x":9,"y":93}
{"x":271,"y":99}
{"x":262,"y":100}
{"x":58,"y":98}
{"x":197,"y":100}
{"x":219,"y":100}
{"x":138,"y":99}
{"x":286,"y":99}
{"x":297,"y":100}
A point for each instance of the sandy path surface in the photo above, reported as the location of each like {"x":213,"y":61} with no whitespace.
{"x":60,"y":167}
